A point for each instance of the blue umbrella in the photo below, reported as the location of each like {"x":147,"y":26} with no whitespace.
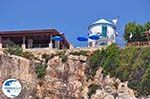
{"x":94,"y":37}
{"x":82,"y":39}
{"x":57,"y":38}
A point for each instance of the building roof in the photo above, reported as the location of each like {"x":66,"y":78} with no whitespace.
{"x":29,"y":31}
{"x":103,"y":21}
{"x":21,"y":33}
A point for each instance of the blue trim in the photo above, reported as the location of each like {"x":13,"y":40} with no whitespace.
{"x":104,"y":30}
{"x":92,"y":25}
{"x":113,"y":26}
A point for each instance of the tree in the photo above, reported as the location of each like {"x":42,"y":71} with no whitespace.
{"x":137,"y":31}
{"x":147,"y":26}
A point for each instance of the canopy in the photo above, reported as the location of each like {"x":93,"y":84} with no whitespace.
{"x":94,"y":37}
{"x":57,"y":38}
{"x":82,"y":39}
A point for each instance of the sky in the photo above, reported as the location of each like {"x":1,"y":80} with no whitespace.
{"x":71,"y":17}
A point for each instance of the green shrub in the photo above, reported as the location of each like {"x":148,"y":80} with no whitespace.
{"x":145,"y":83}
{"x":47,"y":57}
{"x":60,"y":53}
{"x":84,"y":53}
{"x":137,"y":31}
{"x":40,"y":70}
{"x":64,"y":58}
{"x":111,"y":60}
{"x":14,"y":50}
{"x":94,"y":62}
{"x":28,"y":55}
{"x":130,"y":64}
{"x":106,"y":58}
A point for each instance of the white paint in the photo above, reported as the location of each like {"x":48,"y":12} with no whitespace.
{"x":96,"y":28}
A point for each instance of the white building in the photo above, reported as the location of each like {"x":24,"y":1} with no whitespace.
{"x":105,"y":29}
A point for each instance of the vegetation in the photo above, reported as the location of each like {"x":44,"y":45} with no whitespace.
{"x":130,"y":64}
{"x":64,"y":58}
{"x":16,"y":50}
{"x":61,"y":54}
{"x":28,"y":55}
{"x":137,"y":31}
{"x":92,"y":90}
{"x":104,"y":58}
{"x":47,"y":57}
{"x":84,"y":53}
{"x":40,"y":70}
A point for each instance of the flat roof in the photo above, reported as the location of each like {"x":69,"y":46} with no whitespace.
{"x":29,"y":31}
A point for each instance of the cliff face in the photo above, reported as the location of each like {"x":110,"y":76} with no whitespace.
{"x":21,"y":69}
{"x":64,"y":79}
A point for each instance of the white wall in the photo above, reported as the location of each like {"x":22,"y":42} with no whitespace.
{"x":98,"y":29}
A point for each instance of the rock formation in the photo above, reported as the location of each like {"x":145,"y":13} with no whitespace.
{"x":63,"y":80}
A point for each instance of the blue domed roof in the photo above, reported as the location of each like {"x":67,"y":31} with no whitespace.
{"x":103,"y":21}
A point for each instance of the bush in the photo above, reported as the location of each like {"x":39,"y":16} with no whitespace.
{"x":40,"y":70}
{"x":60,"y":54}
{"x":106,"y":58}
{"x":28,"y":55}
{"x":47,"y":57}
{"x":130,"y":64}
{"x":111,"y":60}
{"x":64,"y":58}
{"x":137,"y":31}
{"x":94,"y":63}
{"x":145,"y":83}
{"x":84,"y":53}
{"x":14,"y":50}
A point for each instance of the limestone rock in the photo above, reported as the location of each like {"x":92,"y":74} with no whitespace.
{"x":63,"y":80}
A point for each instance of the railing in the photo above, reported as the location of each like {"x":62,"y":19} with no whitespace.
{"x":146,"y":43}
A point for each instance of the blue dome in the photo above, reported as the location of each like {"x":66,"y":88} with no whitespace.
{"x":102,"y":21}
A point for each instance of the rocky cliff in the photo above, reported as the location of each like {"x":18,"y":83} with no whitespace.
{"x":65,"y":78}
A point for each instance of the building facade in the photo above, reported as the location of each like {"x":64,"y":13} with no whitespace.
{"x":106,"y":30}
{"x":33,"y":39}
